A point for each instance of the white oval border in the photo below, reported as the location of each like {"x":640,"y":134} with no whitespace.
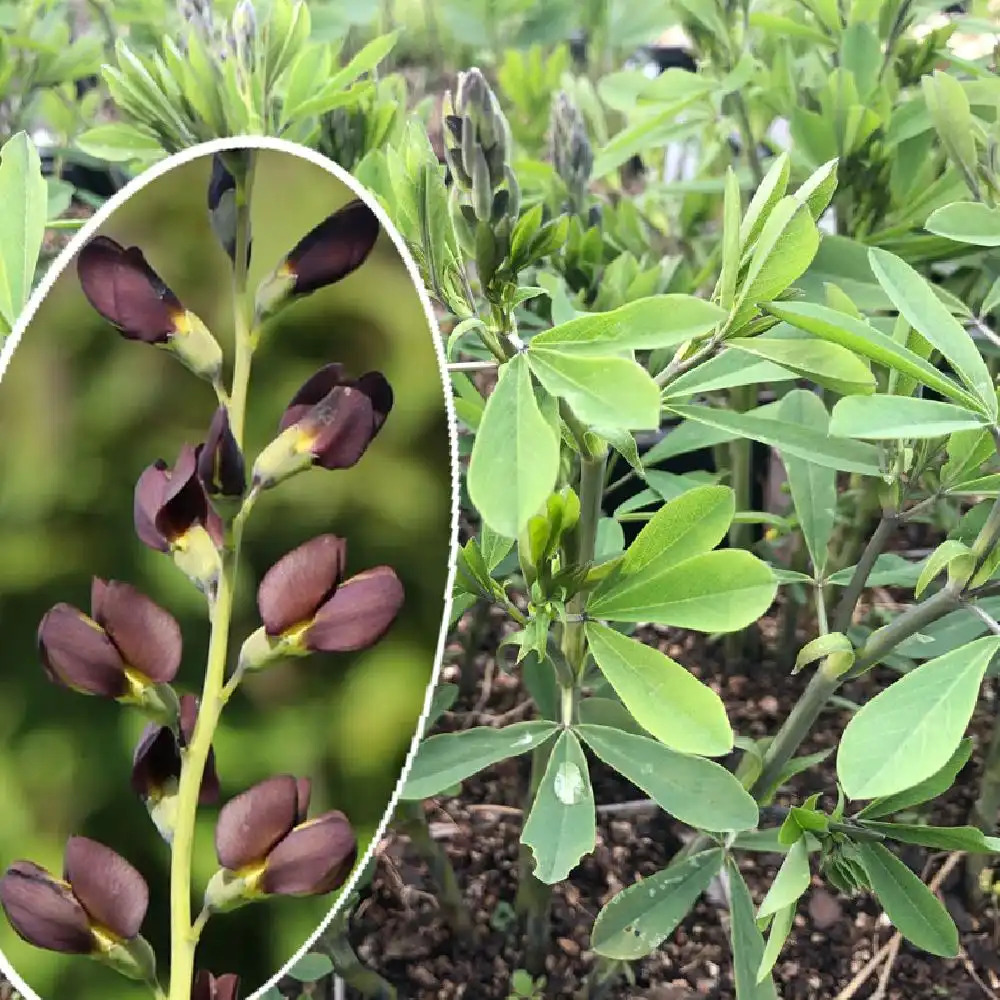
{"x":66,"y":256}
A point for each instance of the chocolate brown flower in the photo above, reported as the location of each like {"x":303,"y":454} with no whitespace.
{"x":100,"y":895}
{"x":209,"y":987}
{"x":156,"y":763}
{"x":119,"y":283}
{"x":330,"y":422}
{"x":331,"y":251}
{"x":263,"y":837}
{"x":125,"y":646}
{"x":304,"y":599}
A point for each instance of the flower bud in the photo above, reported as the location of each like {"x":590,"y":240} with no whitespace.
{"x":222,"y":201}
{"x":220,"y":462}
{"x":331,"y":251}
{"x":128,"y":293}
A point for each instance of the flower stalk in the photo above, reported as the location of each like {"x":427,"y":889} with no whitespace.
{"x":184,"y":933}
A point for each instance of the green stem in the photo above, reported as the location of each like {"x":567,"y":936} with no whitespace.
{"x":984,"y":815}
{"x":184,"y":934}
{"x":366,"y":982}
{"x":411,"y":820}
{"x":244,"y":337}
{"x":852,"y":592}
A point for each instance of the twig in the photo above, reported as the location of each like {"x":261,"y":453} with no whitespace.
{"x":888,"y":951}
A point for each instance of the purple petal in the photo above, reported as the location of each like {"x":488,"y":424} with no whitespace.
{"x":110,"y":889}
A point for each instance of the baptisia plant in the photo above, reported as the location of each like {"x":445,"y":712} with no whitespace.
{"x":893,"y":388}
{"x":128,"y":648}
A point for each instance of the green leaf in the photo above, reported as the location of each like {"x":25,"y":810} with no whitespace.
{"x":311,"y":967}
{"x":515,"y":458}
{"x":693,"y":523}
{"x":913,"y":909}
{"x":724,"y":371}
{"x":606,"y":392}
{"x":951,"y":550}
{"x":643,"y":325}
{"x":635,"y":921}
{"x":443,"y":761}
{"x":928,"y":315}
{"x":951,"y":114}
{"x":561,"y":827}
{"x":829,"y":365}
{"x":24,"y":196}
{"x":862,"y":338}
{"x":911,"y":729}
{"x":967,"y":222}
{"x":769,"y":192}
{"x":118,"y":142}
{"x":650,"y":132}
{"x":748,"y":945}
{"x":786,"y":246}
{"x":937,"y":784}
{"x":720,"y":591}
{"x":813,"y":487}
{"x":802,"y":442}
{"x":884,"y":418}
{"x":829,"y":644}
{"x":776,"y":937}
{"x":791,"y":881}
{"x":310,"y":66}
{"x":949,"y":838}
{"x":665,"y":699}
{"x":696,"y":791}
{"x":731,"y":247}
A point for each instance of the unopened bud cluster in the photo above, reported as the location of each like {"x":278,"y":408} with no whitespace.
{"x":477,"y":148}
{"x":572,"y":153}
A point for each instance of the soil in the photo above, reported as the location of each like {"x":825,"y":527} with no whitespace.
{"x":398,"y":928}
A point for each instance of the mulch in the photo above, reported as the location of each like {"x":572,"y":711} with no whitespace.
{"x":398,"y":929}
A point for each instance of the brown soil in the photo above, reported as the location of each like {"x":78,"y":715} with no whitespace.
{"x":399,"y":930}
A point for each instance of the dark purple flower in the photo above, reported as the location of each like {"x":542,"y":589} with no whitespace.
{"x":264,"y":833}
{"x":170,"y":503}
{"x":220,"y":463}
{"x":304,"y":597}
{"x":339,"y":245}
{"x":156,"y":763}
{"x":209,"y":987}
{"x":331,"y":251}
{"x":329,"y":422}
{"x":127,"y":292}
{"x":127,"y":642}
{"x":99,"y":889}
{"x":119,"y":283}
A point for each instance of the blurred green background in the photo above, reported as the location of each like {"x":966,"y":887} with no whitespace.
{"x":82,"y":412}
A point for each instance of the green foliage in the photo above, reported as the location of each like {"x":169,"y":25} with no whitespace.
{"x":22,"y":227}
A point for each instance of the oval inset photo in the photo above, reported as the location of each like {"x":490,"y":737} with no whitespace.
{"x":226,"y":525}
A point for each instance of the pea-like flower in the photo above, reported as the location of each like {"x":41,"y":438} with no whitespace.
{"x":172,"y":514}
{"x":128,"y":648}
{"x":307,"y":606}
{"x":329,"y":422}
{"x":156,"y":768}
{"x":220,"y":465}
{"x":209,"y":987}
{"x":331,"y":251}
{"x":267,"y":847}
{"x":96,"y":908}
{"x":119,"y":283}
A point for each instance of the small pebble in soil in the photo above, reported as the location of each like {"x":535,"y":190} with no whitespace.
{"x":824,"y":909}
